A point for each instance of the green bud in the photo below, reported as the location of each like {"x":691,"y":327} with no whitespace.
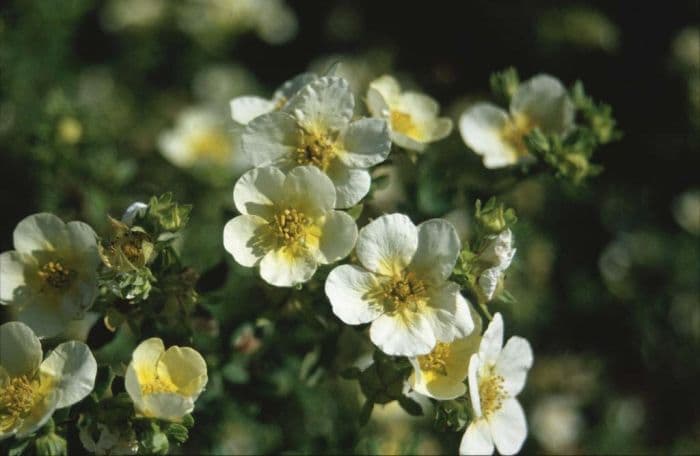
{"x":177,"y":432}
{"x":50,"y":443}
{"x":504,"y":84}
{"x":493,"y":217}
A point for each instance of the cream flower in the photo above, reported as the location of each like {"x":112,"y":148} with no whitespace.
{"x":165,"y":383}
{"x":498,"y":255}
{"x":51,"y":276}
{"x":402,"y":286}
{"x":413,"y":117}
{"x":288,"y":225}
{"x":201,"y":139}
{"x":248,"y":107}
{"x":496,"y":375}
{"x":30,"y":390}
{"x":498,"y":136}
{"x":315,"y":128}
{"x":441,"y":373}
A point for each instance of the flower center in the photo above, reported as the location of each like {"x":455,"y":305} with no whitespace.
{"x":403,"y":123}
{"x":436,"y":361}
{"x":158,"y":385}
{"x":17,"y":397}
{"x":491,"y":392}
{"x":289,"y":226}
{"x":315,"y":149}
{"x":211,"y":145}
{"x":515,"y":130}
{"x":56,"y":275}
{"x":405,"y":292}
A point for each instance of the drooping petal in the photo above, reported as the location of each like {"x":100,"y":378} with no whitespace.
{"x":366,"y":143}
{"x":509,"y":427}
{"x":270,"y":139}
{"x":351,"y":184}
{"x":348,"y":288}
{"x":324,"y":104}
{"x":492,"y":340}
{"x":186,"y":368}
{"x":41,"y":232}
{"x":338,"y":237}
{"x":543,"y":99}
{"x":438,"y":249}
{"x":308,"y":188}
{"x":283,"y":268}
{"x":11,"y":276}
{"x":473,"y":379}
{"x":481,"y":128}
{"x":258,"y":190}
{"x":167,"y":406}
{"x":244,"y":240}
{"x":387,"y":244}
{"x":74,"y":368}
{"x":246,"y":108}
{"x":20,"y":349}
{"x":403,"y":335}
{"x":513,"y":363}
{"x":477,"y":439}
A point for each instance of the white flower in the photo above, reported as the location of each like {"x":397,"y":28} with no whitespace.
{"x":30,"y":390}
{"x":413,"y":117}
{"x":402,"y":286}
{"x":498,"y":255}
{"x":541,"y":102}
{"x":496,"y":375}
{"x":51,"y":276}
{"x":441,"y":373}
{"x":315,"y":128}
{"x":135,"y":209}
{"x":246,"y":108}
{"x":201,"y":139}
{"x":165,"y":383}
{"x":288,"y":225}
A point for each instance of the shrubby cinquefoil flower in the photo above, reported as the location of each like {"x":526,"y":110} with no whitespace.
{"x":247,"y":107}
{"x":441,"y":373}
{"x":498,"y":255}
{"x":288,"y":225}
{"x":51,"y":276}
{"x":402,"y":286}
{"x":413,"y":117}
{"x":496,"y":375}
{"x":165,"y":383}
{"x":498,"y":136}
{"x":30,"y":390}
{"x":316,"y":128}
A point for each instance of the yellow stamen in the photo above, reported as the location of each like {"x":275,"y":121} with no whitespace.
{"x":55,"y":274}
{"x":289,"y":226}
{"x":515,"y":130}
{"x":316,"y":149}
{"x":211,"y":145}
{"x":491,"y":392}
{"x":17,"y":398}
{"x":158,"y":385}
{"x":436,"y":361}
{"x":402,"y":122}
{"x":404,"y":292}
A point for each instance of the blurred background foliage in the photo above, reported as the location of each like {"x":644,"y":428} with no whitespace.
{"x":607,"y":275}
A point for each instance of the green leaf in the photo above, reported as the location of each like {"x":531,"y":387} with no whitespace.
{"x":411,"y":407}
{"x":366,"y":412}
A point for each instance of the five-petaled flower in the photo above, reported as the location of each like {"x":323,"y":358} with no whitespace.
{"x":413,"y":117}
{"x":499,"y":137}
{"x":288,"y":225}
{"x":30,"y":390}
{"x":402,"y":286}
{"x":496,"y":375}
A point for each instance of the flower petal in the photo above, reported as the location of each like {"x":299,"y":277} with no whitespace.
{"x":513,"y":363}
{"x":41,"y":412}
{"x":481,"y":127}
{"x":243,"y":239}
{"x":258,"y":190}
{"x":11,"y":276}
{"x":83,"y":239}
{"x":270,"y":139}
{"x":387,"y":244}
{"x":492,"y":340}
{"x":488,"y":281}
{"x":509,"y":427}
{"x":324,"y":104}
{"x":437,"y":386}
{"x":473,"y":379}
{"x":41,"y":232}
{"x":45,"y":315}
{"x":387,"y":88}
{"x":351,"y":185}
{"x":147,"y":354}
{"x":338,"y":237}
{"x":133,"y":388}
{"x":419,"y":105}
{"x":20,"y":349}
{"x":292,"y":86}
{"x":438,"y":249}
{"x":167,"y":406}
{"x":347,"y":288}
{"x":246,"y":108}
{"x":403,"y":335}
{"x":477,"y":439}
{"x":441,"y":128}
{"x":282,"y":268}
{"x":544,"y":100}
{"x":407,"y":142}
{"x":376,"y":104}
{"x":448,"y":315}
{"x":308,"y":188}
{"x":74,"y":368}
{"x":186,"y":368}
{"x":366,"y":142}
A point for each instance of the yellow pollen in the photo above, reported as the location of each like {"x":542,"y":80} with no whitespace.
{"x":211,"y":145}
{"x":132,"y":251}
{"x":158,"y":385}
{"x":491,"y":392}
{"x":315,"y":149}
{"x":436,"y":361}
{"x":56,"y":275}
{"x":17,"y":398}
{"x":403,"y":123}
{"x":280,"y":103}
{"x":289,"y":226}
{"x":515,"y":130}
{"x":405,"y":292}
